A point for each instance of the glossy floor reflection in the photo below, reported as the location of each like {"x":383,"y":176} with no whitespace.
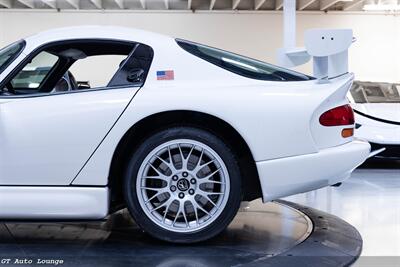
{"x":257,"y":232}
{"x":370,"y":201}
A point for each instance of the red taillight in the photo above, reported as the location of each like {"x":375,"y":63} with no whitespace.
{"x":338,"y":116}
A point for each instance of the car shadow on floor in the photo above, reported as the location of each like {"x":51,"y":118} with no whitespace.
{"x":381,"y":164}
{"x":254,"y":235}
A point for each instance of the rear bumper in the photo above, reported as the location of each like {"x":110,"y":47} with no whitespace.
{"x":298,"y":174}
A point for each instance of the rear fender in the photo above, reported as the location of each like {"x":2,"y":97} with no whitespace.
{"x":325,"y":137}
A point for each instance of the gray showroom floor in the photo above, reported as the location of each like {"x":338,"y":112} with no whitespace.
{"x":296,"y":234}
{"x":370,"y":201}
{"x":276,"y":234}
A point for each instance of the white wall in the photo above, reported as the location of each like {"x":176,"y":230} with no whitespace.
{"x":374,"y":57}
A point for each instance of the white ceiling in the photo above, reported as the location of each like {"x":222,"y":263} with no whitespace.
{"x":313,"y":5}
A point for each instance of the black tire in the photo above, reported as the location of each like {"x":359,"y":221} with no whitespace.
{"x":161,"y":137}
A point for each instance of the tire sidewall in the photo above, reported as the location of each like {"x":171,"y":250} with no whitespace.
{"x":199,"y":135}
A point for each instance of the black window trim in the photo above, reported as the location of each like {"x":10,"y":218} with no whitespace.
{"x":38,"y":49}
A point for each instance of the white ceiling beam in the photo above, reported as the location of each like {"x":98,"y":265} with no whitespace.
{"x":325,"y":4}
{"x":235,"y":4}
{"x":143,"y":3}
{"x":50,"y":3}
{"x":166,"y":3}
{"x":303,"y":4}
{"x":120,"y":3}
{"x":212,"y":4}
{"x":350,"y":5}
{"x":74,"y":3}
{"x":258,"y":4}
{"x":278,"y":4}
{"x":189,"y":4}
{"x":6,"y":3}
{"x":28,"y":3}
{"x":97,"y":3}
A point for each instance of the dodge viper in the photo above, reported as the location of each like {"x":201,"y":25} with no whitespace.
{"x":377,"y":114}
{"x":179,"y":133}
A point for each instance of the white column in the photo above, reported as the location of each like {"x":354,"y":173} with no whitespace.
{"x":289,"y":24}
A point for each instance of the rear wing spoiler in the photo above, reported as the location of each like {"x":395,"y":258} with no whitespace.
{"x":327,"y":47}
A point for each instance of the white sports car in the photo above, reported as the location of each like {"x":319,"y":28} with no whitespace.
{"x":377,"y":114}
{"x":179,"y":133}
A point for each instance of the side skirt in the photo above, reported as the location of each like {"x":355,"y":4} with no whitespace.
{"x":53,"y":203}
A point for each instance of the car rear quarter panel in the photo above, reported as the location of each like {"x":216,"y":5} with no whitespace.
{"x":272,"y":117}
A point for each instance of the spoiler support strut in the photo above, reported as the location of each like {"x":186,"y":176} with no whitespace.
{"x":327,"y":47}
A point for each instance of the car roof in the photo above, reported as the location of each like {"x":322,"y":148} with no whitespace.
{"x":168,"y":55}
{"x":97,"y":32}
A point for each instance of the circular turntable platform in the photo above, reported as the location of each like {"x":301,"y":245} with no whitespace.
{"x":274,"y":234}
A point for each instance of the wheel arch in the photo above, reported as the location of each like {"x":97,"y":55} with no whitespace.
{"x":251,"y":188}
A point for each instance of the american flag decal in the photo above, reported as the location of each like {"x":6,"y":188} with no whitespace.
{"x":164,"y":75}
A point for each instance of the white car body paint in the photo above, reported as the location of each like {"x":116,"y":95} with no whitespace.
{"x":46,"y":139}
{"x":376,"y":131}
{"x":327,"y":167}
{"x":277,"y":120}
{"x":53,"y":203}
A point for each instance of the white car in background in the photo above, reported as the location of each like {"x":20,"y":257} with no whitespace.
{"x":377,"y":114}
{"x":179,"y":133}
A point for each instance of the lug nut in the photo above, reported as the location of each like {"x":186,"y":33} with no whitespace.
{"x":191,"y":191}
{"x":175,"y":178}
{"x":184,"y":174}
{"x":181,"y":195}
{"x":173,"y":188}
{"x":192,"y":181}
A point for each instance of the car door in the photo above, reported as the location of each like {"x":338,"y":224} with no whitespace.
{"x":48,"y":137}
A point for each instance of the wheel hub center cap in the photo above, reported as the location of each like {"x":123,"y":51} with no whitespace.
{"x":183,"y":184}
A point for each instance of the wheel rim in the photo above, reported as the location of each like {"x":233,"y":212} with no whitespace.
{"x":183,"y":185}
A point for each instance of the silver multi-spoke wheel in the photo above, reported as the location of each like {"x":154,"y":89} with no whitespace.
{"x":183,"y":185}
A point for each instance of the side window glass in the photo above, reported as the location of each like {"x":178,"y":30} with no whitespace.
{"x":357,"y":92}
{"x":35,"y":72}
{"x":95,"y":71}
{"x":9,"y":53}
{"x":81,"y":65}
